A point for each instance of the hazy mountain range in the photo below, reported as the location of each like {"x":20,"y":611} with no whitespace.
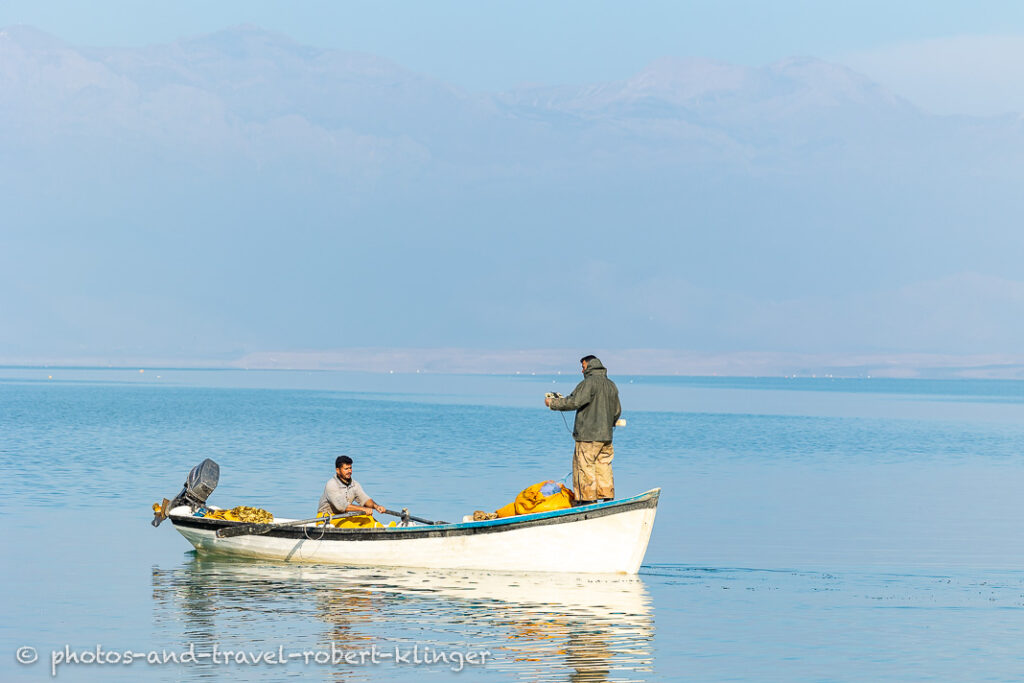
{"x":241,"y":193}
{"x":262,"y":98}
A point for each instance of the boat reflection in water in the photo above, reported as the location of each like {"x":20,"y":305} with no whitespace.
{"x":535,"y":626}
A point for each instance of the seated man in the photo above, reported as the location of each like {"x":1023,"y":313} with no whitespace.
{"x":342,"y":494}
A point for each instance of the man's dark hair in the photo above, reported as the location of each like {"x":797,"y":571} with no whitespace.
{"x":588,"y":358}
{"x":342,"y":460}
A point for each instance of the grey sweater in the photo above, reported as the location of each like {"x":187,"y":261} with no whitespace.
{"x":337,"y":497}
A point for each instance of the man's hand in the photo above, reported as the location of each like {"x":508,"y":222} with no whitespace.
{"x":379,"y":508}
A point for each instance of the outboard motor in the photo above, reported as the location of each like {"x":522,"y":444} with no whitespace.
{"x":199,"y":484}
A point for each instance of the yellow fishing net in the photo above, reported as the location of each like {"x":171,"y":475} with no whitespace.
{"x":356,"y":522}
{"x":242,"y":513}
{"x":537,"y":499}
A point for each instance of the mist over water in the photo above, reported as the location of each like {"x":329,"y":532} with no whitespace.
{"x":808,"y":529}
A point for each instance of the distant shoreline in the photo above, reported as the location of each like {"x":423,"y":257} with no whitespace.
{"x":639,"y":362}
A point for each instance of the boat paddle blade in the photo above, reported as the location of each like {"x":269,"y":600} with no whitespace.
{"x":244,"y":530}
{"x":255,"y":528}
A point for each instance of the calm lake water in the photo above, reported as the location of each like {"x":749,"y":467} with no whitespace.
{"x":809,"y":530}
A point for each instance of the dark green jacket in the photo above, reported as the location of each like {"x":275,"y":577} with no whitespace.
{"x":596,"y":402}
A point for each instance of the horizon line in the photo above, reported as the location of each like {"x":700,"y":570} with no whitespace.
{"x":555,"y":362}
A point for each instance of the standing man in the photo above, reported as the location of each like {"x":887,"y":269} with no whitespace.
{"x":596,"y":402}
{"x":344,"y":494}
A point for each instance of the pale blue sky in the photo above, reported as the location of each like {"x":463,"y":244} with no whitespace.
{"x":235,"y":195}
{"x":492,"y":45}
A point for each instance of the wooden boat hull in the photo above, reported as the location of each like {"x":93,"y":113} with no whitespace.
{"x":602,"y":538}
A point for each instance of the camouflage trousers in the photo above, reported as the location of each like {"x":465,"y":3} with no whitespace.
{"x":592,"y":470}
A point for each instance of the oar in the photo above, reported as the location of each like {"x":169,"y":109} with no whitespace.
{"x":256,"y":528}
{"x":404,"y":514}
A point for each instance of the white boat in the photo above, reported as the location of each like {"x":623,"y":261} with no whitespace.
{"x":601,"y":538}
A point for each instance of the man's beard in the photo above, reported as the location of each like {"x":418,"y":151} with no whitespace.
{"x":345,"y":481}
